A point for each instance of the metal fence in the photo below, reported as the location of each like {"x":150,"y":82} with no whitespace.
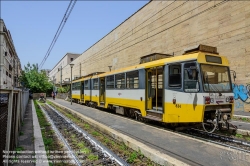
{"x":13,"y":104}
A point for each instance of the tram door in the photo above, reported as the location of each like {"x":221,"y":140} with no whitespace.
{"x":82,"y":91}
{"x":148,"y":90}
{"x":154,"y":90}
{"x":102,"y":90}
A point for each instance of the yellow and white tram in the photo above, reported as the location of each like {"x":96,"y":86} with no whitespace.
{"x":192,"y":88}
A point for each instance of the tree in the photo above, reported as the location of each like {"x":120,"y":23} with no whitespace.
{"x":34,"y":80}
{"x":63,"y":89}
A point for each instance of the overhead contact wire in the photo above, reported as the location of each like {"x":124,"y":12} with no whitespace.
{"x":59,"y":30}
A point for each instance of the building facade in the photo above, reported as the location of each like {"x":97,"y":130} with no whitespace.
{"x":56,"y":74}
{"x":10,"y":65}
{"x":169,"y":27}
{"x":47,"y":71}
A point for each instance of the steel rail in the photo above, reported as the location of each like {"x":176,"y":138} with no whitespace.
{"x":197,"y":137}
{"x":172,"y":154}
{"x":170,"y":130}
{"x":222,"y":137}
{"x":93,"y":141}
{"x":61,"y":137}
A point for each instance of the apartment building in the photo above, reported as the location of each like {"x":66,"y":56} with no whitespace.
{"x":56,"y":74}
{"x":10,"y":65}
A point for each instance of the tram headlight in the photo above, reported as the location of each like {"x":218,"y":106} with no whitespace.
{"x":231,"y":99}
{"x":207,"y":100}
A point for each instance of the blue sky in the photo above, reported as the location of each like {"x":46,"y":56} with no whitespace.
{"x":33,"y":25}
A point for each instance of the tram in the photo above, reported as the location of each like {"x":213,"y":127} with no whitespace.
{"x":193,"y":88}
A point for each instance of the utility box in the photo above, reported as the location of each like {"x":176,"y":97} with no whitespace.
{"x":202,"y":48}
{"x":154,"y":57}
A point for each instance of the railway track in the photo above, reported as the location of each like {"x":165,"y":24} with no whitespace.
{"x":68,"y":132}
{"x":221,"y":140}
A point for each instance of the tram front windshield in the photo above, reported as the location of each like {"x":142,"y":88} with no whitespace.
{"x":216,"y":78}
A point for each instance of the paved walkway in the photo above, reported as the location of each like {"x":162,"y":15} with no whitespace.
{"x":26,"y":138}
{"x":241,"y":113}
{"x":242,"y":125}
{"x":30,"y":140}
{"x":179,"y":147}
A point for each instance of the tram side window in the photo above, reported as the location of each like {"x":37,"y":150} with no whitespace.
{"x":133,"y":80}
{"x":95,"y":84}
{"x":76,"y":86}
{"x":175,"y":76}
{"x":191,"y":77}
{"x":86,"y":84}
{"x":120,"y":81}
{"x":110,"y":82}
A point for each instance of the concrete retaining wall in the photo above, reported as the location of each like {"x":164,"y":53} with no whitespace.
{"x":62,"y":95}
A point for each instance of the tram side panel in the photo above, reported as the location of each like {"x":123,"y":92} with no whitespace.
{"x":180,"y":106}
{"x":126,"y":98}
{"x":76,"y":91}
{"x":76,"y":94}
{"x":126,"y":90}
{"x":87,"y":91}
{"x":95,"y":91}
{"x":183,"y":107}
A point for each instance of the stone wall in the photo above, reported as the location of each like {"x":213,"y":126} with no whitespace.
{"x":37,"y":95}
{"x":62,"y":95}
{"x":169,"y":27}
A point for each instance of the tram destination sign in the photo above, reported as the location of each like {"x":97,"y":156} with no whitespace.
{"x":213,"y":59}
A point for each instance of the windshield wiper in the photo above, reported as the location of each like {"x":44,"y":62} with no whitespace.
{"x":206,"y":81}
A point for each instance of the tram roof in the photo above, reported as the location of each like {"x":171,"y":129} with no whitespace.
{"x":199,"y":56}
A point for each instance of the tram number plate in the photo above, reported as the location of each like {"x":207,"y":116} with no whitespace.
{"x":177,"y":105}
{"x":219,"y":97}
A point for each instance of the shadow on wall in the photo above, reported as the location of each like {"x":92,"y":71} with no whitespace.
{"x":241,"y":97}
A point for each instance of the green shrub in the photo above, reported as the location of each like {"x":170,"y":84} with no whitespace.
{"x":63,"y":89}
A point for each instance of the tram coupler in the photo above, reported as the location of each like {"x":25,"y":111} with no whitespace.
{"x":223,"y":116}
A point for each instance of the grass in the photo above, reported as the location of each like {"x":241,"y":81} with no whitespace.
{"x":92,"y":157}
{"x":20,"y":133}
{"x":19,"y":148}
{"x":72,"y":117}
{"x":86,"y":126}
{"x":85,"y":150}
{"x":95,"y":133}
{"x":48,"y":141}
{"x":123,"y":146}
{"x":243,"y":119}
{"x":48,"y":134}
{"x":238,"y":136}
{"x":81,"y":145}
{"x":49,"y":102}
{"x":140,"y":154}
{"x":132,"y":157}
{"x":106,"y":140}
